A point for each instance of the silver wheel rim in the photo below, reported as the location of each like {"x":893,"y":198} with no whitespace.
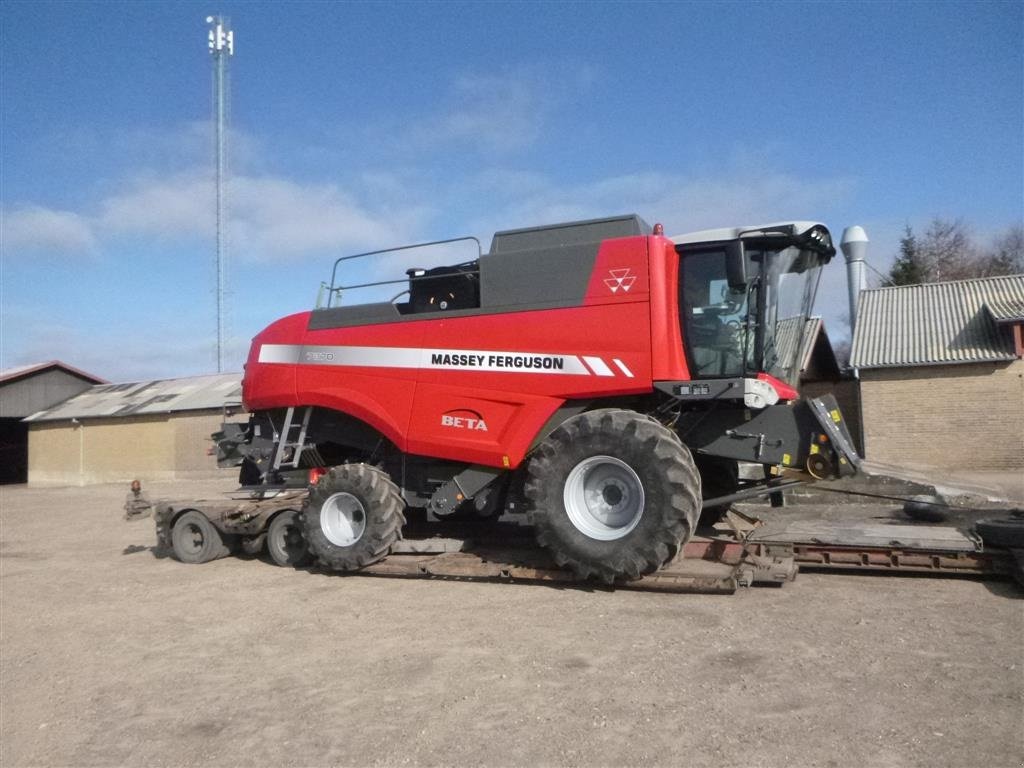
{"x":288,"y":536}
{"x":604,"y":498}
{"x":192,"y":538}
{"x":343,"y":519}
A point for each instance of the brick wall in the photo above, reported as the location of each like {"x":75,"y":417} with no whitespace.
{"x":150,"y":448}
{"x":946,"y":416}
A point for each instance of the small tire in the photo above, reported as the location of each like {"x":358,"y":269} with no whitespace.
{"x":286,"y":543}
{"x":612,"y":494}
{"x":194,"y":539}
{"x":927,"y":509}
{"x":352,"y":517}
{"x":1002,"y":532}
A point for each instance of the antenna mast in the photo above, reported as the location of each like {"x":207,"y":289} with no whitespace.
{"x":221,"y":42}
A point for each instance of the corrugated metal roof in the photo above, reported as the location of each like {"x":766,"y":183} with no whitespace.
{"x":793,"y":332}
{"x":21,"y":371}
{"x":148,"y":397}
{"x":937,"y":323}
{"x":790,"y":331}
{"x":1006,"y":310}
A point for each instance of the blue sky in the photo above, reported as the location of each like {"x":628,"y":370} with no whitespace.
{"x":365,"y":125}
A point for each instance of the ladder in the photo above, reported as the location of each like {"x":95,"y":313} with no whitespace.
{"x":285,"y":441}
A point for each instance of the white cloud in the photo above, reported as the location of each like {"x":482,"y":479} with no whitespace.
{"x":497,"y":113}
{"x":33,"y":228}
{"x":268,"y":217}
{"x":175,"y":206}
{"x":273,"y":217}
{"x":500,"y":113}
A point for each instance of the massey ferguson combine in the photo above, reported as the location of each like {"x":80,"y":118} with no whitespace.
{"x":599,"y":374}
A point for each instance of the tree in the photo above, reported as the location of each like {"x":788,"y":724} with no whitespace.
{"x":909,"y":268}
{"x":947,"y":251}
{"x":1007,"y":257}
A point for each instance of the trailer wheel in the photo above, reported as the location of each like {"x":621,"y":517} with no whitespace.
{"x":352,"y":517}
{"x":194,"y":539}
{"x":612,"y":494}
{"x":286,"y":543}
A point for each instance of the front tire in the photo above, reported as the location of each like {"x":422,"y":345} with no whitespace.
{"x":352,"y":517}
{"x":612,"y":495}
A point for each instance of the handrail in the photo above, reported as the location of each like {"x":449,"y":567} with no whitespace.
{"x":334,"y":288}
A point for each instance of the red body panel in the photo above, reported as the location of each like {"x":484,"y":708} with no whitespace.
{"x":669,"y":363}
{"x":479,"y":388}
{"x":272,"y":386}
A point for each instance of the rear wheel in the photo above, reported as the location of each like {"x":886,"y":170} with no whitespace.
{"x":194,"y":539}
{"x":286,"y":544}
{"x":612,"y":494}
{"x":352,"y":517}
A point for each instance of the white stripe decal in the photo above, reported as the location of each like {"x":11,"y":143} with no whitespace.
{"x":426,"y":359}
{"x":598,"y":366}
{"x":623,"y":368}
{"x":280,"y":353}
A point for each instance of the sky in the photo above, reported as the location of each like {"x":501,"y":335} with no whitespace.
{"x":356,"y":126}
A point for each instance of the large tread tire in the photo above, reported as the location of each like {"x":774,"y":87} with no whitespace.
{"x":630,"y":448}
{"x":286,"y":542}
{"x":195,"y":540}
{"x":364,"y":499}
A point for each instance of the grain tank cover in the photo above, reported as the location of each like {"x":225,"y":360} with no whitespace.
{"x":569,"y":233}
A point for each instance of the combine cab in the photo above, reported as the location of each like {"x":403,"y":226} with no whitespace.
{"x":602,"y":375}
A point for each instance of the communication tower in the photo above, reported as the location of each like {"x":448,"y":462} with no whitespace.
{"x":221,"y":42}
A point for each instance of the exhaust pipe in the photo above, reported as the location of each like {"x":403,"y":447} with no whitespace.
{"x":855,"y":248}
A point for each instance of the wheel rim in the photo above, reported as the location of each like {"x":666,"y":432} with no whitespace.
{"x":288,"y":539}
{"x":343,"y":519}
{"x":604,"y":498}
{"x":192,"y":539}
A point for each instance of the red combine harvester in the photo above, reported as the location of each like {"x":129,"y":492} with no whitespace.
{"x":600,"y":374}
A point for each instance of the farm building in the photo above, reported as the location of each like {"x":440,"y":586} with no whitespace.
{"x":942,"y":375}
{"x":151,"y":430}
{"x":24,"y":391}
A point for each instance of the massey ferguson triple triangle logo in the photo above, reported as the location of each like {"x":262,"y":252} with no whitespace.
{"x":620,"y":278}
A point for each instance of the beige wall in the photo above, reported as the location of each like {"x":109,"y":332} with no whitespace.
{"x":947,"y":416}
{"x":150,"y":448}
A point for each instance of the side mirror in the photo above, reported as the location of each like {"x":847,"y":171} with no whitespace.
{"x":735,"y":264}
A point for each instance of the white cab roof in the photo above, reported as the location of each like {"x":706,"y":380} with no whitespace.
{"x":731,"y":233}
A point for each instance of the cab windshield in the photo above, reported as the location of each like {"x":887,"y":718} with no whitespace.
{"x":735,"y":331}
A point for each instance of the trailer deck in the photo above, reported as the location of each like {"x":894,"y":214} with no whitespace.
{"x":741,"y":553}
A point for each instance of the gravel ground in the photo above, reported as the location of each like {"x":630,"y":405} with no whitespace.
{"x":112,"y":656}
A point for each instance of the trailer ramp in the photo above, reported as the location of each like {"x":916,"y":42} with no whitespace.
{"x":882,"y":547}
{"x":707,"y":565}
